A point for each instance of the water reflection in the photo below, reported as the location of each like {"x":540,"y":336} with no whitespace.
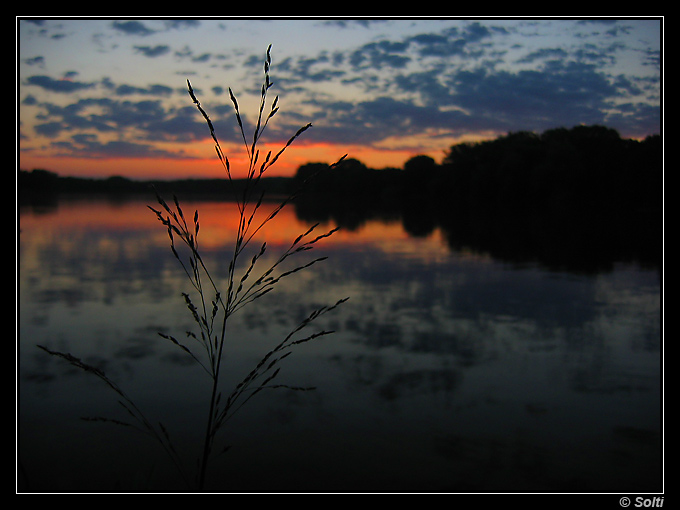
{"x":451,"y":369}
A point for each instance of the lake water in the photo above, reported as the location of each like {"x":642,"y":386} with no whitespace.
{"x":450,"y":370}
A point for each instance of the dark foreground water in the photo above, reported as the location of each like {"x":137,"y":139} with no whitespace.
{"x":450,"y":371}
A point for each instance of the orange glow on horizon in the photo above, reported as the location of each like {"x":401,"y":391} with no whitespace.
{"x":169,"y":169}
{"x":206,"y":165}
{"x":140,"y":168}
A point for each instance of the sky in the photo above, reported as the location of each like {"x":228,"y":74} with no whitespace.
{"x":103,"y":96}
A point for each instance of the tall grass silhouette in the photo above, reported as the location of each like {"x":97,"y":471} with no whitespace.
{"x":212,"y":306}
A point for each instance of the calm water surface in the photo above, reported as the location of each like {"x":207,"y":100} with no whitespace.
{"x":449,"y":370}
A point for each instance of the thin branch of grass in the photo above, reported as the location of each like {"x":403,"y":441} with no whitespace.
{"x":213,"y":308}
{"x":238,"y":294}
{"x":268,"y":362}
{"x":143,"y":424}
{"x":218,"y":149}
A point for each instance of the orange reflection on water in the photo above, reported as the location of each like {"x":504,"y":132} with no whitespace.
{"x":219,"y":222}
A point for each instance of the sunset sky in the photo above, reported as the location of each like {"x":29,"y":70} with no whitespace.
{"x":103,"y":97}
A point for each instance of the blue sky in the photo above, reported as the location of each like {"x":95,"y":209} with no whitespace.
{"x":100,"y":97}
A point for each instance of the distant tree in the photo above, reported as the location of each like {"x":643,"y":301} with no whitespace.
{"x":38,"y":179}
{"x":314,"y":177}
{"x":419,"y":171}
{"x":420,"y":164}
{"x":308,"y":170}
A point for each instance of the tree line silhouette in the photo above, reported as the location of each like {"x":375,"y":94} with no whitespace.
{"x":568,"y":171}
{"x":565,"y":193}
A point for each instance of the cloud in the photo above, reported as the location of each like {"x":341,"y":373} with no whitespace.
{"x":138,"y":28}
{"x":187,"y":53}
{"x":427,"y":85}
{"x":179,"y":24}
{"x":376,"y":55}
{"x":652,"y":58}
{"x":560,"y":94}
{"x":35,"y":61}
{"x":453,"y":41}
{"x":132,"y":121}
{"x":77,"y":129}
{"x":384,"y":55}
{"x":304,"y":70}
{"x":57,"y":119}
{"x":350,"y":23}
{"x":153,"y":51}
{"x":151,"y":90}
{"x":89,"y":147}
{"x":372,"y":121}
{"x":543,"y":54}
{"x":63,"y":86}
{"x":30,"y":100}
{"x":132,"y":28}
{"x":49,"y":129}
